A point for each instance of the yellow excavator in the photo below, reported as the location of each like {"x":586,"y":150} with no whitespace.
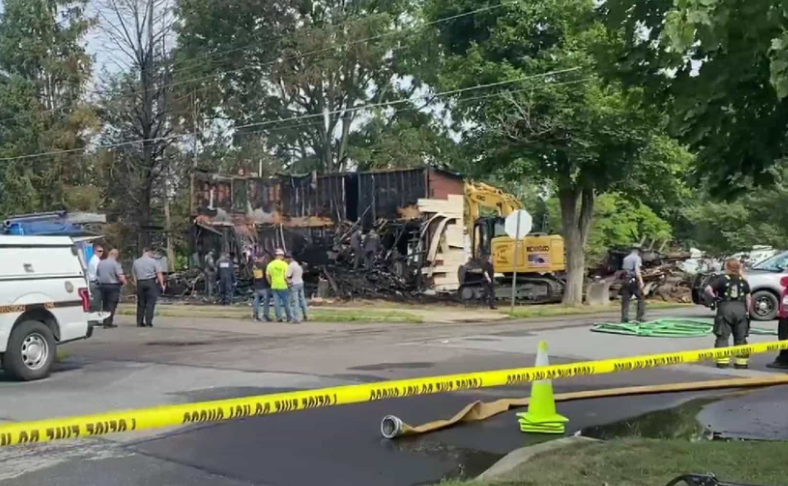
{"x":540,"y":257}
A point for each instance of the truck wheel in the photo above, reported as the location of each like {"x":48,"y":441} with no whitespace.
{"x":764,"y":306}
{"x":31,"y":351}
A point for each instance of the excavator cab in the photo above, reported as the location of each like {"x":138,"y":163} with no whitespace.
{"x":537,"y":253}
{"x":484,"y":230}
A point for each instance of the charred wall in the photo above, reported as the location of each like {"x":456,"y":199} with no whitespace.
{"x":314,"y":196}
{"x":322,"y":198}
{"x":211,"y":193}
{"x":385,"y":192}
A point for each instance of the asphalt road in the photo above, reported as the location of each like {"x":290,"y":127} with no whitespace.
{"x":184,"y":360}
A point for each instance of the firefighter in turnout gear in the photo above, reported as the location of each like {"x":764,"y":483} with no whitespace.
{"x":732,"y":293}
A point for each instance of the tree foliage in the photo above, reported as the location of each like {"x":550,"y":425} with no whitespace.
{"x":559,"y":123}
{"x":726,"y":227}
{"x":721,"y":66}
{"x":302,"y":74}
{"x":43,"y":72}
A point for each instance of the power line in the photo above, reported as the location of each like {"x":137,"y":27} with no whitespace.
{"x":302,"y":117}
{"x":98,"y":91}
{"x":409,"y":108}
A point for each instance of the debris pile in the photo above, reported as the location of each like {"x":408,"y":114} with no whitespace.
{"x":185,"y":283}
{"x":664,"y":275}
{"x":347,"y":283}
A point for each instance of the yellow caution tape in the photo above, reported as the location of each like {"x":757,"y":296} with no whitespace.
{"x":213,"y":411}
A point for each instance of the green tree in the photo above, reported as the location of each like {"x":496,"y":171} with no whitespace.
{"x":409,"y":138}
{"x":619,"y":222}
{"x":318,"y":62}
{"x":559,"y":123}
{"x":724,"y":227}
{"x":43,"y":72}
{"x":721,"y":66}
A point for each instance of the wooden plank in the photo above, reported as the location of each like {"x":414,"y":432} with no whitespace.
{"x":444,"y":245}
{"x":446,"y":269}
{"x":455,"y":235}
{"x":435,"y":242}
{"x":446,"y":288}
{"x":439,"y":206}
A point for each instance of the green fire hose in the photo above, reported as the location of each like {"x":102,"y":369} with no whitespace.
{"x":667,"y":328}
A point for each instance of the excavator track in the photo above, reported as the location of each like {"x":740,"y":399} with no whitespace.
{"x":538,"y":289}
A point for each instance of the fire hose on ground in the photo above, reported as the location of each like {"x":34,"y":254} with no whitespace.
{"x":392,"y":426}
{"x":673,"y":328}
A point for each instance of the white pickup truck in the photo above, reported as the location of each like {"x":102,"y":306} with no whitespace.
{"x":44,"y":302}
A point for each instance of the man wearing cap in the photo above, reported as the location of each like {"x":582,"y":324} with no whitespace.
{"x":295,"y":277}
{"x":149,"y":278}
{"x":276,"y":273}
{"x":633,"y":285}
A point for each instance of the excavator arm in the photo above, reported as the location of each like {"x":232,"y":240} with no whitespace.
{"x":479,"y":195}
{"x":539,"y":257}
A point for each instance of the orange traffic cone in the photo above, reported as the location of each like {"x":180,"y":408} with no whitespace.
{"x":541,"y":417}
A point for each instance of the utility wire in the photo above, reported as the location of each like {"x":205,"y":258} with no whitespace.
{"x":99,"y":91}
{"x":303,"y":117}
{"x":409,"y":108}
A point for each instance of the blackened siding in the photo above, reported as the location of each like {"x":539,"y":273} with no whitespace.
{"x":210,"y":193}
{"x":312,"y":195}
{"x":264,"y":194}
{"x":385,"y":192}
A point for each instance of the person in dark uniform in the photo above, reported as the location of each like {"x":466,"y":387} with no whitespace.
{"x":209,"y":269}
{"x":633,"y":285}
{"x":488,"y":272}
{"x":226,"y":277}
{"x":781,"y":362}
{"x":356,"y":241}
{"x":371,"y":248}
{"x":110,"y":278}
{"x":262,"y":290}
{"x":732,"y":293}
{"x":149,"y":278}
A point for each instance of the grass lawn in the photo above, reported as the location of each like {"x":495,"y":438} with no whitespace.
{"x":317,"y":314}
{"x":642,"y":462}
{"x":557,"y":310}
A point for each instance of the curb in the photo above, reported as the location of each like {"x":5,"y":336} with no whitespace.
{"x":524,"y":454}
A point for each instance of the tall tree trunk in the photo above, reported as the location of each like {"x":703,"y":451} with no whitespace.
{"x":168,"y":223}
{"x":577,"y":206}
{"x":144,"y":216}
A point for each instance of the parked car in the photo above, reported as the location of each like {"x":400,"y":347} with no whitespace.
{"x":44,"y":302}
{"x":764,"y":279}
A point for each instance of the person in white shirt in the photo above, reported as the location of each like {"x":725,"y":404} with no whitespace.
{"x":93,"y":284}
{"x":295,"y":277}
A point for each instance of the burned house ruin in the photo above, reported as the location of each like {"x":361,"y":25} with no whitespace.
{"x":417,"y":212}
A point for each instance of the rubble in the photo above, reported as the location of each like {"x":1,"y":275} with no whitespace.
{"x":347,"y":283}
{"x":663,"y":274}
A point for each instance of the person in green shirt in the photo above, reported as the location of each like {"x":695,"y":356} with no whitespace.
{"x":276,"y":273}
